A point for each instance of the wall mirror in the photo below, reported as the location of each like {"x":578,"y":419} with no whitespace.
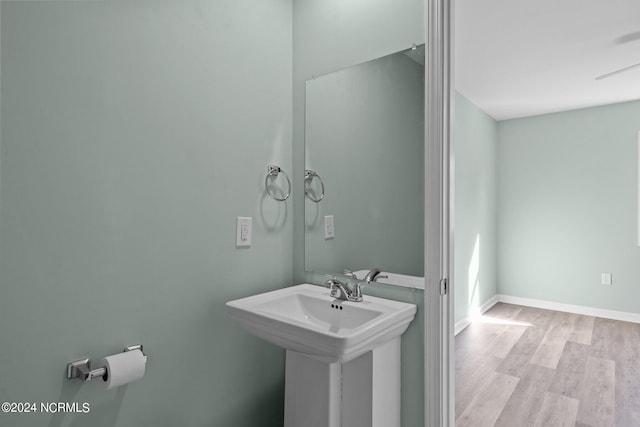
{"x":364,"y":161}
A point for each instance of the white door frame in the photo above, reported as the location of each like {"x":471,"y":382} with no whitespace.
{"x":438,"y":264}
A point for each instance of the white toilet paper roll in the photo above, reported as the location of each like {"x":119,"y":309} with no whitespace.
{"x":123,"y":368}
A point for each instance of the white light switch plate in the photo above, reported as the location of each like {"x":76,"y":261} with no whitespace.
{"x":329,"y":230}
{"x":243,"y":231}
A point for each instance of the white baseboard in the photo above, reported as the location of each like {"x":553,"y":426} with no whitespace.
{"x":462,"y":324}
{"x":547,"y":305}
{"x":570,"y":308}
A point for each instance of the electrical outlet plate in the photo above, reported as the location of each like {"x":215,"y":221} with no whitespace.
{"x":329,"y":230}
{"x":606,"y":279}
{"x":243,"y":231}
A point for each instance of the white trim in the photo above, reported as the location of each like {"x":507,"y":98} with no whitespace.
{"x":638,"y":193}
{"x":490,"y":303}
{"x":463,"y":323}
{"x":395,"y":279}
{"x":547,"y":305}
{"x":570,"y":308}
{"x":438,"y":264}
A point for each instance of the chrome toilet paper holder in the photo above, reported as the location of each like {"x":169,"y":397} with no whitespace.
{"x":82,"y":368}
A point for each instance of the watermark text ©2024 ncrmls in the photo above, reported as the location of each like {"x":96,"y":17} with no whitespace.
{"x":46,"y":407}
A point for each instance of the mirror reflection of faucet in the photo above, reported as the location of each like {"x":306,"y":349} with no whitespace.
{"x":374,"y":275}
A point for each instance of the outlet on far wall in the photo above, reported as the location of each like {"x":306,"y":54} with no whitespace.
{"x":606,"y":279}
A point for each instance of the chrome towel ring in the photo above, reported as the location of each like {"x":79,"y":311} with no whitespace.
{"x":274,"y":171}
{"x":308,"y":177}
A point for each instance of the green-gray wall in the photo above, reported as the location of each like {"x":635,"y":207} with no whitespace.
{"x":133,"y":134}
{"x":329,"y":35}
{"x":552,"y":200}
{"x":567,"y":207}
{"x":365,"y":137}
{"x":475,"y":139}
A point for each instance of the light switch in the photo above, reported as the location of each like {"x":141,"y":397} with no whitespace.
{"x":329,"y":230}
{"x":243,"y":231}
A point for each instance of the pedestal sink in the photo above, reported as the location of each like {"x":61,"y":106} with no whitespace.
{"x":343,"y":357}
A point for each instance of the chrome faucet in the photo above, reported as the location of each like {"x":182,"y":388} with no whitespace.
{"x":371,"y":276}
{"x":340,"y":290}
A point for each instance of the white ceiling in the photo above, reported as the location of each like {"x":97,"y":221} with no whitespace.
{"x":516,"y":58}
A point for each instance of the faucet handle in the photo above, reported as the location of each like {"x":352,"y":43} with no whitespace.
{"x":350,"y":274}
{"x":356,"y":293}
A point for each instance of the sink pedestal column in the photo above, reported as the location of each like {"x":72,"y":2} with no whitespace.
{"x":363,"y":392}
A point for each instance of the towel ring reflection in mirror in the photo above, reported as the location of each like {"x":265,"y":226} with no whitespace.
{"x":308,"y":177}
{"x":274,"y":171}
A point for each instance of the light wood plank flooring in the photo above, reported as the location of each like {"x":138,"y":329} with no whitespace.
{"x":523,"y":366}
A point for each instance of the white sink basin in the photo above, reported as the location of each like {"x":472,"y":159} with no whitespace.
{"x":306,"y":319}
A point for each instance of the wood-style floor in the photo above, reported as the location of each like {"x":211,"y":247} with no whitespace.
{"x":522,"y":366}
